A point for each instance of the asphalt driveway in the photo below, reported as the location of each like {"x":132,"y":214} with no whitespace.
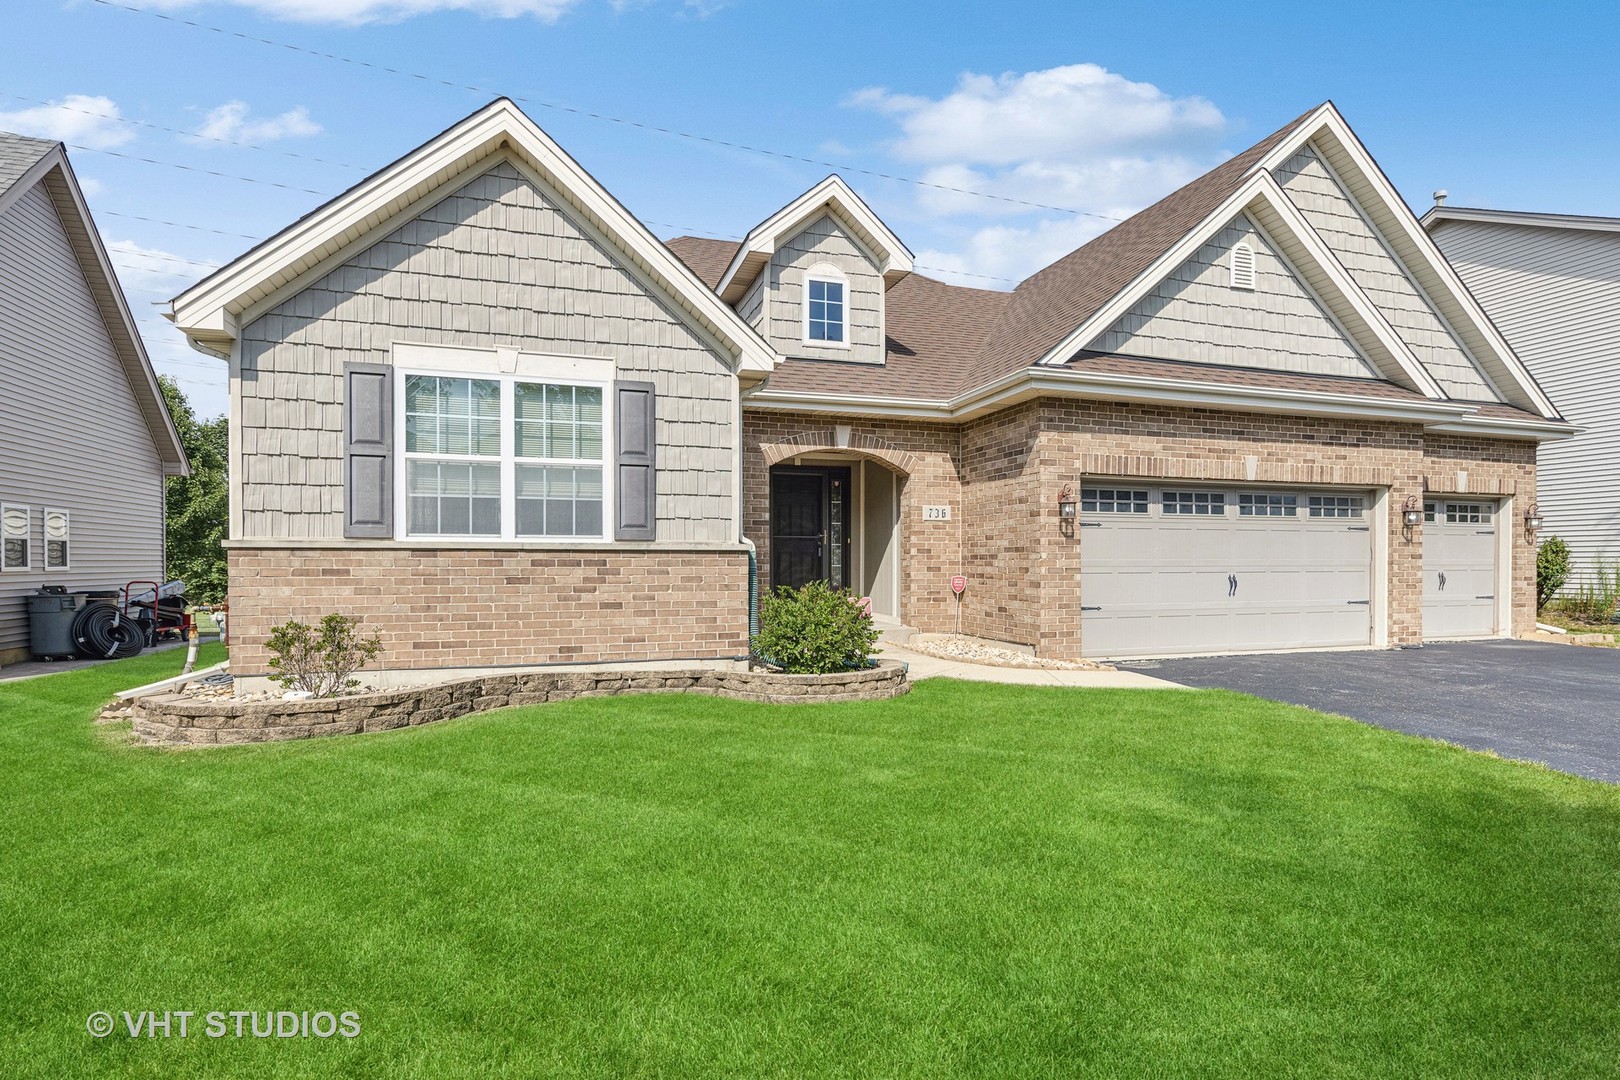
{"x":1557,"y":704}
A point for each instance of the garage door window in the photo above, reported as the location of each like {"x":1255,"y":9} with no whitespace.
{"x":1113,"y":501}
{"x":1194,"y":502}
{"x":1335,"y":506}
{"x":1428,"y":513}
{"x":1267,"y":504}
{"x":1468,"y":514}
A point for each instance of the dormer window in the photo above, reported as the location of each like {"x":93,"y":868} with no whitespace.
{"x":826,"y":308}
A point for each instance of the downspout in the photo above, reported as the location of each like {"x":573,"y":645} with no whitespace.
{"x":753,"y":552}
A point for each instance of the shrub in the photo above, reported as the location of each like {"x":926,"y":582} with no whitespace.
{"x":816,"y":630}
{"x":1552,"y":569}
{"x":1594,"y":597}
{"x":321,"y":660}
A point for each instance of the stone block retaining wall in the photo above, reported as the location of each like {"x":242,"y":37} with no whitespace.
{"x":176,"y":720}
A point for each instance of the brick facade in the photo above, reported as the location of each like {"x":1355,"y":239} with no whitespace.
{"x":1001,"y":476}
{"x":453,"y":608}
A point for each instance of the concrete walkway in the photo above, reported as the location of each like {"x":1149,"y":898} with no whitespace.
{"x":923,"y":666}
{"x":33,"y":669}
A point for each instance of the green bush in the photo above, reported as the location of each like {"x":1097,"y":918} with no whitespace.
{"x":321,"y":660}
{"x":1552,"y":569}
{"x":1594,"y":598}
{"x":816,"y":630}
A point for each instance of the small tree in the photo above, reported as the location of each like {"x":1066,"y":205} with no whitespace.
{"x":816,"y":630}
{"x":1552,"y":569}
{"x":321,"y":660}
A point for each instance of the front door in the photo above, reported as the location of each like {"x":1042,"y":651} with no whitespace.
{"x":809,"y":526}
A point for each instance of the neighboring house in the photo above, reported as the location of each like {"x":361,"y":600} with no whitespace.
{"x":477,"y":402}
{"x":1551,"y":283}
{"x":87,"y":439}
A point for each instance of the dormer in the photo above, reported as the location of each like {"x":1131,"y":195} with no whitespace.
{"x":811,"y":278}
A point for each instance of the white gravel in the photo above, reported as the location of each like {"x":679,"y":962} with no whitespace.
{"x":957,"y":647}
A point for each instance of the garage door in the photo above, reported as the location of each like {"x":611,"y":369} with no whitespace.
{"x":1171,"y":571}
{"x":1459,"y":568}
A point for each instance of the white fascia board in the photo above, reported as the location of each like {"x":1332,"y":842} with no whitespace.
{"x":280,"y":260}
{"x":1493,"y":427}
{"x":893,"y":257}
{"x":1437,"y":215}
{"x":1398,"y":225}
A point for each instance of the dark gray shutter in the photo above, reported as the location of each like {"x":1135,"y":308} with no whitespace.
{"x":635,"y":485}
{"x":368,"y":450}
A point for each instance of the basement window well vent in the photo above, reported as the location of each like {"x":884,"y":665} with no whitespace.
{"x":1242,"y":267}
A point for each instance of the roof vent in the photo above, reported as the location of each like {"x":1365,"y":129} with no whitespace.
{"x":1242,"y":266}
{"x":1440,"y":197}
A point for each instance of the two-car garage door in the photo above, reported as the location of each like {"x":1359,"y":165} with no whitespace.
{"x":1187,"y":570}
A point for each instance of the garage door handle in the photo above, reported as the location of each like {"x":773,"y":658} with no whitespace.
{"x":1358,"y":601}
{"x":1231,"y":584}
{"x":1442,"y":581}
{"x":1490,"y":597}
{"x":1359,"y":528}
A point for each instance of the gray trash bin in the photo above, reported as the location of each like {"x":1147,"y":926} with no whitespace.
{"x":51,"y":612}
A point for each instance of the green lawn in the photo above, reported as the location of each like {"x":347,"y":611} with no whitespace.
{"x":970,"y":881}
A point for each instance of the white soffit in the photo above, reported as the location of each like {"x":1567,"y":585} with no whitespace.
{"x":833,"y":196}
{"x":208,"y":312}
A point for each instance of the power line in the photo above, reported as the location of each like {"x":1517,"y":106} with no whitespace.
{"x":195,"y":169}
{"x":163,"y":255}
{"x":604,"y":117}
{"x":186,"y":134}
{"x":174,"y":224}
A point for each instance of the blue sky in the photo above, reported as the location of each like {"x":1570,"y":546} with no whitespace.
{"x":1095,"y":109}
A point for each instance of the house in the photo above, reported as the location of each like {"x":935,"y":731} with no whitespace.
{"x":87,"y":439}
{"x":1551,"y":284}
{"x":478,"y":403}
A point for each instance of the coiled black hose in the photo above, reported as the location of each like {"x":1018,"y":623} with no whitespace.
{"x":101,"y":631}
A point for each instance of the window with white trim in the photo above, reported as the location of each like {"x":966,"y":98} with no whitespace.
{"x":1204,"y":503}
{"x":15,"y":534}
{"x":826,"y":309}
{"x":1113,"y":500}
{"x":1267,"y":504}
{"x":1335,"y":506}
{"x":56,"y":539}
{"x":509,"y":457}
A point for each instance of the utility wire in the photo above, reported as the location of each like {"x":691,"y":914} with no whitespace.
{"x":195,"y":169}
{"x":175,"y":224}
{"x":604,"y":117}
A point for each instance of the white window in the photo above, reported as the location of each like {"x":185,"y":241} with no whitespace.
{"x":511,"y":457}
{"x":1242,"y":266}
{"x":1468,"y":513}
{"x":1113,"y":501}
{"x":56,"y":540}
{"x":826,"y":307}
{"x":1335,"y":506}
{"x":15,"y":534}
{"x":1203,"y":503}
{"x":1267,"y":504}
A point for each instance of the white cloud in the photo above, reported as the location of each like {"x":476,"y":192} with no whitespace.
{"x":357,"y":12}
{"x":153,"y":274}
{"x":77,"y":118}
{"x":91,"y":187}
{"x":231,"y":123}
{"x":1078,"y":137}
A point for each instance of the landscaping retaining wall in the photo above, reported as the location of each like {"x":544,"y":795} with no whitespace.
{"x":177,"y":720}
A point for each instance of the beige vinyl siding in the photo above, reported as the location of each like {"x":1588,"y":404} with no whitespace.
{"x":825,"y":241}
{"x":497,"y":262}
{"x":1334,"y":214}
{"x":73,"y":438}
{"x":1195,"y":315}
{"x":752,"y":305}
{"x":1555,"y":295}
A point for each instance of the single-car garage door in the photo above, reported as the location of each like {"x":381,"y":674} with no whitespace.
{"x":1168,"y":571}
{"x":1459,"y":568}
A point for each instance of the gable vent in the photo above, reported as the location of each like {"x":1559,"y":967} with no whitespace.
{"x":1242,"y":265}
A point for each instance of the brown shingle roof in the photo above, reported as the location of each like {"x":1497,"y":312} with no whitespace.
{"x":708,"y":259}
{"x":1052,"y":303}
{"x":1183,"y":371}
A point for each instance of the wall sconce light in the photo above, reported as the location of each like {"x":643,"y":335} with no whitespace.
{"x":1412,"y":512}
{"x":1066,"y":505}
{"x":1532,"y":517}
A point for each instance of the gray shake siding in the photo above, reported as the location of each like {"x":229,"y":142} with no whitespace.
{"x":1555,"y":295}
{"x":1195,"y":315}
{"x":825,"y":241}
{"x":1335,"y":215}
{"x":73,"y":438}
{"x":498,"y":262}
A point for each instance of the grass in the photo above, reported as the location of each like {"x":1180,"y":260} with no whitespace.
{"x":974,"y":880}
